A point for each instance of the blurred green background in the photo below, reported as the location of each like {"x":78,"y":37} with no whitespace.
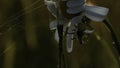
{"x":27,"y":42}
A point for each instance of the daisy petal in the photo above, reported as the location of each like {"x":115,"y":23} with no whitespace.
{"x":51,"y":7}
{"x":53,"y":24}
{"x":76,"y":20}
{"x":69,"y":43}
{"x":75,"y":10}
{"x":74,"y":3}
{"x":56,"y":36}
{"x":89,"y":31}
{"x":96,"y":13}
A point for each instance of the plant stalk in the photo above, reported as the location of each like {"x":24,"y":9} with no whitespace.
{"x":60,"y":47}
{"x":114,"y":37}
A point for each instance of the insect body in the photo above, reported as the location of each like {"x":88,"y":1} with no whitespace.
{"x":80,"y":32}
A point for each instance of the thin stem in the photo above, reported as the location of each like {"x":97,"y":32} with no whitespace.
{"x":60,"y":32}
{"x":114,"y":37}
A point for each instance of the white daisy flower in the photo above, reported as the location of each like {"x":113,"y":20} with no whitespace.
{"x":94,"y":13}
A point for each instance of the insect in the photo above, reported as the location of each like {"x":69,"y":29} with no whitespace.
{"x":83,"y":30}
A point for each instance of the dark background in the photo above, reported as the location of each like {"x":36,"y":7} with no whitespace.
{"x":27,"y":42}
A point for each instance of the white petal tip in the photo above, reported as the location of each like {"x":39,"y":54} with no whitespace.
{"x":69,"y":50}
{"x":69,"y":43}
{"x":56,"y":36}
{"x":53,"y":25}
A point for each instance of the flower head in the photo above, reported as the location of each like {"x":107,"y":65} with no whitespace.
{"x":95,"y":13}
